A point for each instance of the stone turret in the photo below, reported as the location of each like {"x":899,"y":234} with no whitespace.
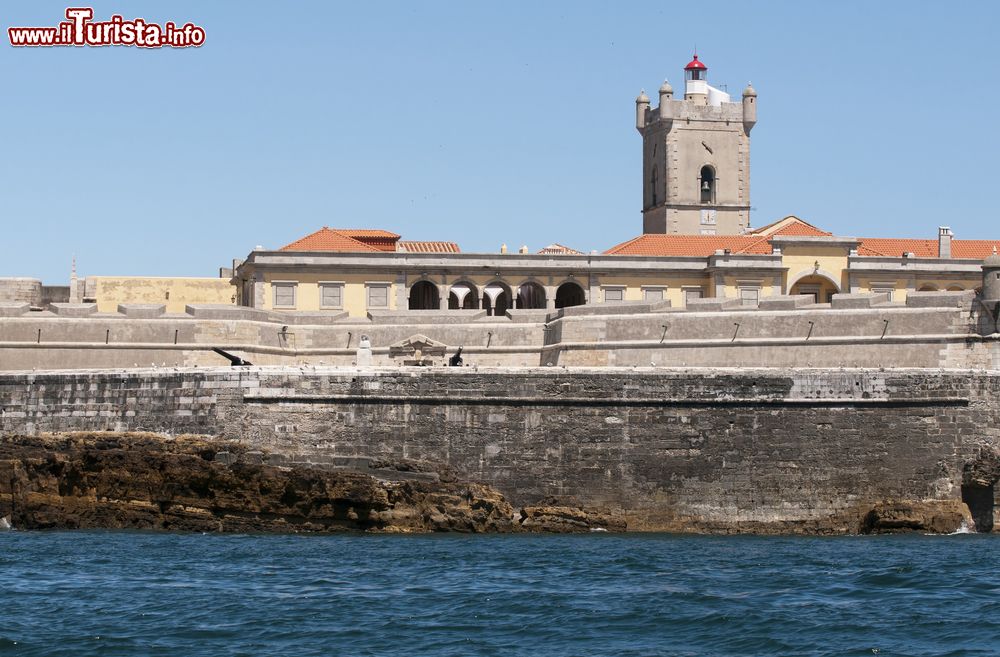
{"x":641,"y":109}
{"x":666,"y":95}
{"x":991,"y":280}
{"x":749,"y":108}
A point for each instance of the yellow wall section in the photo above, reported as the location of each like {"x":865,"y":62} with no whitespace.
{"x":944,"y":284}
{"x":731,"y":286}
{"x":673,"y":286}
{"x":800,"y":260}
{"x":307,"y":292}
{"x":176,"y":293}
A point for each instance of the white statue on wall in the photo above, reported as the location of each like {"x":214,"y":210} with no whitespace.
{"x":364,"y":353}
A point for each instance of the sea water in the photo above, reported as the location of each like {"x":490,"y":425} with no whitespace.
{"x":131,"y":593}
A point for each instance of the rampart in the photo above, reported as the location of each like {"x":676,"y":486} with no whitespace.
{"x":932,"y":329}
{"x":678,"y":449}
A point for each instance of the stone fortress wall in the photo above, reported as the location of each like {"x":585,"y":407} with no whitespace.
{"x":722,"y":450}
{"x":932,"y":329}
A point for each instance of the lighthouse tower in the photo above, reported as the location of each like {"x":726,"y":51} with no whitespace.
{"x":696,"y":157}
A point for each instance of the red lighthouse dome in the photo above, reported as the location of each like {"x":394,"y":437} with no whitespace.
{"x":695,"y":70}
{"x":695,"y":65}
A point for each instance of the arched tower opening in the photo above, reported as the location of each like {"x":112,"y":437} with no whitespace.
{"x":706,"y":184}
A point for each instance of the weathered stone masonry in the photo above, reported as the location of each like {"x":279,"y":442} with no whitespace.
{"x":713,"y":450}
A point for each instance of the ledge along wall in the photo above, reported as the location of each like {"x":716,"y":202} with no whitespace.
{"x":720,"y":450}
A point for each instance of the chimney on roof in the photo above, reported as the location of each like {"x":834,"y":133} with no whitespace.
{"x":944,"y":242}
{"x":523,"y":249}
{"x":503,"y":248}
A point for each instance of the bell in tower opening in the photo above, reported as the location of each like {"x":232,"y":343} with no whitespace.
{"x":707,"y":185}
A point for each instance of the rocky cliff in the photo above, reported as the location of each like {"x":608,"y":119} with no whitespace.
{"x":147,"y":481}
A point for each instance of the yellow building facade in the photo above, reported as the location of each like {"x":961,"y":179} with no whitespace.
{"x":788,"y":257}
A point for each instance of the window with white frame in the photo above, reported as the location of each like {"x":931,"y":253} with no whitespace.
{"x":749,"y":296}
{"x":378,"y":295}
{"x":692,"y":293}
{"x":883,"y":288}
{"x":614,"y":294}
{"x":284,"y":294}
{"x":653,"y":294}
{"x":331,"y":295}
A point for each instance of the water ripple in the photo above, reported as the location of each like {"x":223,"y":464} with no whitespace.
{"x":134,"y":593}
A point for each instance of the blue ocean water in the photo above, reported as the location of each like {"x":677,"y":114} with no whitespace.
{"x":130,"y":593}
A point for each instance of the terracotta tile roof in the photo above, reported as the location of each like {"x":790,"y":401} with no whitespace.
{"x":977,"y":249}
{"x":559,"y":249}
{"x":791,"y":225}
{"x":800,"y":229}
{"x":381,"y":240}
{"x":327,"y":239}
{"x":895,"y":248}
{"x":754,"y":242}
{"x":686,"y":245}
{"x":706,"y":245}
{"x":412,"y":246}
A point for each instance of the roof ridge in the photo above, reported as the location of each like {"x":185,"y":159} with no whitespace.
{"x":326,"y":229}
{"x":792,"y":220}
{"x":340,"y":231}
{"x":366,"y":230}
{"x":763,"y":238}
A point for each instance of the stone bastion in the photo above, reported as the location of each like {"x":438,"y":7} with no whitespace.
{"x":676,"y":449}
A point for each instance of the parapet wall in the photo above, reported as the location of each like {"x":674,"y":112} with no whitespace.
{"x":21,"y":290}
{"x":703,"y":450}
{"x":930,"y":330}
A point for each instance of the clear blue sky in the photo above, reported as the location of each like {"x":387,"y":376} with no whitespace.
{"x":480,"y":123}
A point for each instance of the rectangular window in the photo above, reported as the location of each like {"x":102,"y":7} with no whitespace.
{"x":614,"y":294}
{"x":378,"y":296}
{"x":652,"y":294}
{"x":883,"y":290}
{"x":749,"y":296}
{"x":284,"y":295}
{"x":810,"y":290}
{"x":331,"y":295}
{"x":692,"y":293}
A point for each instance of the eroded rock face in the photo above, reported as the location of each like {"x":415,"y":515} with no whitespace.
{"x":938,"y":517}
{"x":146,"y":481}
{"x":556,"y":515}
{"x":984,"y":470}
